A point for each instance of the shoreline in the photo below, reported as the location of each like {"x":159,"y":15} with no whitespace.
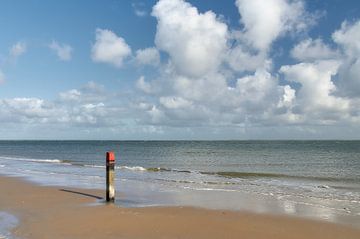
{"x":63,"y":212}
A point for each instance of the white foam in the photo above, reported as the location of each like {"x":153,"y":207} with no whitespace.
{"x":211,"y":189}
{"x":47,"y":160}
{"x":94,"y":166}
{"x":134,"y":168}
{"x":33,"y":160}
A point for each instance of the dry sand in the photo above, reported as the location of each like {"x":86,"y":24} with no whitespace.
{"x":50,"y":212}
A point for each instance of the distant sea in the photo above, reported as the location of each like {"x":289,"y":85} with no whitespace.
{"x":315,"y":179}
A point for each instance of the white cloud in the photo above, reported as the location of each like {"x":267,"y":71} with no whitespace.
{"x":310,"y":50}
{"x":89,"y":93}
{"x":143,"y":85}
{"x":25,"y":110}
{"x":348,"y":37}
{"x":70,"y":95}
{"x":17,"y":49}
{"x":156,"y":115}
{"x":148,"y":56}
{"x":215,"y":79}
{"x":316,"y":98}
{"x":194,"y":85}
{"x":265,"y":21}
{"x":189,"y":95}
{"x":254,"y":91}
{"x":205,"y":89}
{"x":175,"y":102}
{"x":88,"y":106}
{"x":288,"y":97}
{"x":109,"y":48}
{"x":63,"y":51}
{"x":194,"y":41}
{"x":240,"y":59}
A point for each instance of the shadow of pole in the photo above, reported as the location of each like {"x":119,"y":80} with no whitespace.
{"x":80,"y":193}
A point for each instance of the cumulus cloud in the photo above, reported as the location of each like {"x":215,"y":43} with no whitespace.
{"x":194,"y":41}
{"x":316,"y":98}
{"x":70,"y":95}
{"x":265,"y":21}
{"x":195,"y":85}
{"x":189,"y":94}
{"x":28,"y":110}
{"x":109,"y":48}
{"x":89,"y":93}
{"x":143,"y":85}
{"x":242,"y":59}
{"x":254,"y":91}
{"x":148,"y":56}
{"x":63,"y":51}
{"x":347,"y":37}
{"x":309,"y":50}
{"x":17,"y":49}
{"x":88,"y":106}
{"x":174,"y":102}
{"x":215,"y":78}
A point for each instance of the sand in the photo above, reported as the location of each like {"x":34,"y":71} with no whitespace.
{"x":52,"y":212}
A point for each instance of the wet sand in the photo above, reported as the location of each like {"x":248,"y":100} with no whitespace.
{"x":52,"y":212}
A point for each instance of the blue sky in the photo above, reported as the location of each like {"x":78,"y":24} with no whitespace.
{"x":174,"y":69}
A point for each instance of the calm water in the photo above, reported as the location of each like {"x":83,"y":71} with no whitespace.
{"x":317,"y":179}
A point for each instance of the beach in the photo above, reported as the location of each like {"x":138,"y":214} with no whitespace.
{"x":61,"y":212}
{"x":180,"y":119}
{"x":317,"y":180}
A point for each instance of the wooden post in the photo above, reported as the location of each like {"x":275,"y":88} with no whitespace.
{"x":110,"y":176}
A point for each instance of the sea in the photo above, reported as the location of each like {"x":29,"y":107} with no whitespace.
{"x":312,"y":179}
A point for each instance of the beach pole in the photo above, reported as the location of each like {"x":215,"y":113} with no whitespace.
{"x":110,"y":176}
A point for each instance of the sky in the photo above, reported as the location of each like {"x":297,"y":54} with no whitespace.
{"x":180,"y":70}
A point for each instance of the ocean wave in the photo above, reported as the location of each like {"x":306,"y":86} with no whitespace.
{"x":91,"y":165}
{"x":245,"y":175}
{"x":160,"y":169}
{"x":211,"y":189}
{"x":323,"y":186}
{"x":58,"y":161}
{"x":197,"y":182}
{"x":132,"y":168}
{"x":230,"y":174}
{"x":241,"y":175}
{"x":224,"y":174}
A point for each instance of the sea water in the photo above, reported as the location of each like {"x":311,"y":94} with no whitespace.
{"x":7,"y":222}
{"x":315,"y":179}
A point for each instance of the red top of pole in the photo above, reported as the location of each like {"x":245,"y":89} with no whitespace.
{"x":110,"y":156}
